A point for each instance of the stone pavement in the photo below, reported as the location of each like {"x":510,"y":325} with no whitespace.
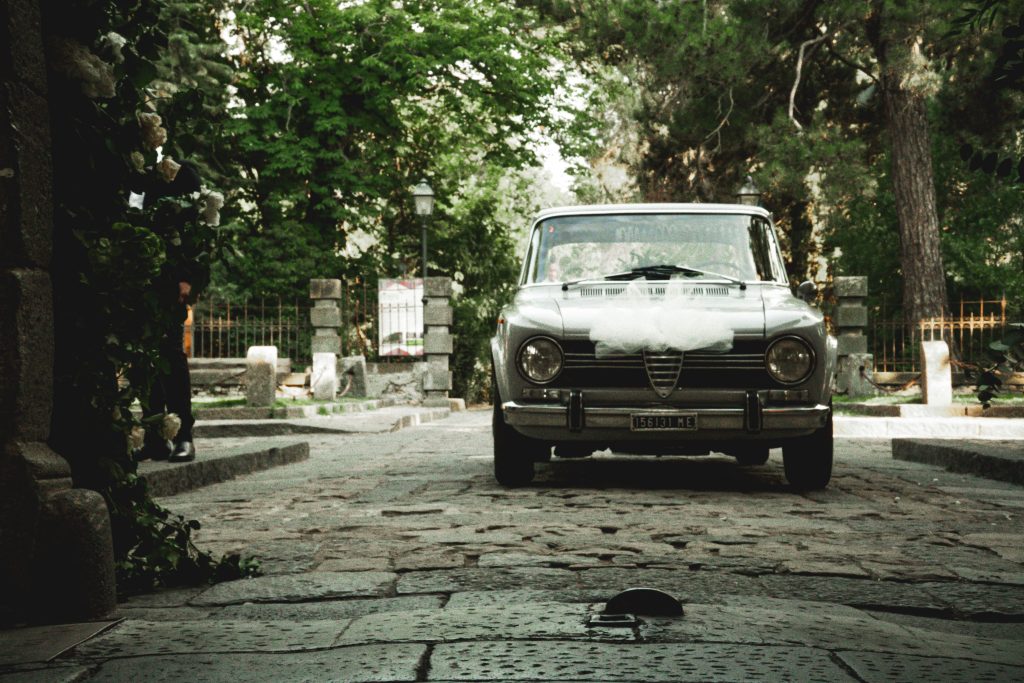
{"x":396,"y":557}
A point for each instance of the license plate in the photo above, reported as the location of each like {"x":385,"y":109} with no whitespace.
{"x":679,"y":422}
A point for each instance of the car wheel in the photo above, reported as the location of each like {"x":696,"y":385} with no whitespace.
{"x":808,"y":459}
{"x":514,"y":454}
{"x":754,"y":455}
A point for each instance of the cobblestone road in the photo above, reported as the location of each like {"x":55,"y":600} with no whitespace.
{"x":396,"y":557}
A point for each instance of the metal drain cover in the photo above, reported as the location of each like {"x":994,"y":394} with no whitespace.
{"x":647,"y":601}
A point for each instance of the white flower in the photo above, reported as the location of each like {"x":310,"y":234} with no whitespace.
{"x":171,"y":425}
{"x":137,"y":201}
{"x":153,"y":134}
{"x":75,"y":62}
{"x":168,"y":168}
{"x":136,"y":438}
{"x":114,"y":42}
{"x":138,"y":161}
{"x":211,"y":211}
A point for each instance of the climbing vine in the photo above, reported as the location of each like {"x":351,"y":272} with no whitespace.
{"x":126,"y":214}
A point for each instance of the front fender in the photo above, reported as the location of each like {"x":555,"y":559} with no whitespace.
{"x":517,"y":323}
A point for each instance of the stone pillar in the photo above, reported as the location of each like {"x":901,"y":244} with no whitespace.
{"x":851,"y":319}
{"x":261,"y":376}
{"x":39,"y":510}
{"x":356,"y":367}
{"x":437,"y":340}
{"x":326,"y":319}
{"x":936,"y":374}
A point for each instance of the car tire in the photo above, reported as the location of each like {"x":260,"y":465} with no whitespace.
{"x":752,"y":456}
{"x":808,"y":459}
{"x":514,"y":454}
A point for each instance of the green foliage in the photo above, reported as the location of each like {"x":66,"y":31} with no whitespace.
{"x":115,"y":267}
{"x":1005,"y":357}
{"x":718,"y":96}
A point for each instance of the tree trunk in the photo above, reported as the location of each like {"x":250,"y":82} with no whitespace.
{"x":924,"y":278}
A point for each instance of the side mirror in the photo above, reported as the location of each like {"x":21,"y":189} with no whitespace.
{"x":808,"y":291}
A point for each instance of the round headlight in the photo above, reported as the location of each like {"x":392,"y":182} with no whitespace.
{"x":789,"y":360}
{"x":540,"y":360}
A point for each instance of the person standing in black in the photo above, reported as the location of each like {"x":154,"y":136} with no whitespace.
{"x":178,"y":284}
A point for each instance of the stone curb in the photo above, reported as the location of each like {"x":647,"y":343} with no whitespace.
{"x":168,"y":479}
{"x":298,"y":411}
{"x":265,"y":428}
{"x":918,"y":410}
{"x":997,"y":460}
{"x":848,"y":426}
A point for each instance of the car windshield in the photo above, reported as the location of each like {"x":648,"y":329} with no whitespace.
{"x":585,"y":247}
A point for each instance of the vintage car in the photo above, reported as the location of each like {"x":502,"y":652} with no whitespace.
{"x":661,"y":329}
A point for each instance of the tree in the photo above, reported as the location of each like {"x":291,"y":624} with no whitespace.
{"x":809,"y":96}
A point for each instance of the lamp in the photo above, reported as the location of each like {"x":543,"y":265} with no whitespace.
{"x":748,"y":194}
{"x":423,"y":197}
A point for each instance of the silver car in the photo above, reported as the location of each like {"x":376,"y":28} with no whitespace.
{"x":661,"y":329}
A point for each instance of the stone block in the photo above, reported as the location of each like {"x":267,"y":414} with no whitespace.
{"x":21,"y":44}
{"x":326,"y":341}
{"x":356,"y":366}
{"x":851,"y":316}
{"x":437,"y":380}
{"x":26,"y":188}
{"x":325,"y":316}
{"x":437,"y":343}
{"x":324,"y":289}
{"x":75,"y":568}
{"x":438,"y":362}
{"x":434,"y":314}
{"x":852,"y":375}
{"x":261,"y":376}
{"x":936,"y":373}
{"x":850,"y":286}
{"x":438,"y":286}
{"x":26,"y":354}
{"x":852,"y":343}
{"x":324,"y":379}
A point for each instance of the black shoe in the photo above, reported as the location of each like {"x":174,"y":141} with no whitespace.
{"x":154,"y":450}
{"x":183,"y":452}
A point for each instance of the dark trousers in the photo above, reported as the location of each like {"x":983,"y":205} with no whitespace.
{"x":172,"y":393}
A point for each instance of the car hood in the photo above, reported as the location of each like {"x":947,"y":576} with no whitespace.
{"x":582,"y":306}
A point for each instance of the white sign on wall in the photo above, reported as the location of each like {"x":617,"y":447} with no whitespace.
{"x":400,"y":317}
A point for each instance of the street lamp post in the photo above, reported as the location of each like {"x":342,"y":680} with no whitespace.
{"x":423,"y":196}
{"x":749,"y":194}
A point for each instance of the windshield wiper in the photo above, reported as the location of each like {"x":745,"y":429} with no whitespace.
{"x":665,"y":271}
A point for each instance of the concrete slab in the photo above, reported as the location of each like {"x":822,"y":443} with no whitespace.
{"x":138,"y":638}
{"x":297,"y":588}
{"x":992,"y":459}
{"x":874,"y":667}
{"x":43,"y":643}
{"x":640,"y":662}
{"x":378,"y":663}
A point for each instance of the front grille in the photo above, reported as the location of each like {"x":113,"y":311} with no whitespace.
{"x":741,"y":367}
{"x":663,"y":370}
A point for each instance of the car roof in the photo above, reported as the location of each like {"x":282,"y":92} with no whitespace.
{"x":597,"y":209}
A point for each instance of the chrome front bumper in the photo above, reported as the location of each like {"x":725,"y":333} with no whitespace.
{"x":709,"y":420}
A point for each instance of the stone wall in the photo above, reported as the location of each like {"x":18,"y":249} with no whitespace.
{"x":56,"y":559}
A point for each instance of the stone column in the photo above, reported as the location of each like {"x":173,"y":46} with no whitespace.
{"x":936,"y":373}
{"x":261,"y":376}
{"x":326,"y":319}
{"x":56,"y":552}
{"x":437,"y":340}
{"x":851,"y":319}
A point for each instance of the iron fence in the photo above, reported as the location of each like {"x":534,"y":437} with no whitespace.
{"x":221,"y":328}
{"x":896,"y":345}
